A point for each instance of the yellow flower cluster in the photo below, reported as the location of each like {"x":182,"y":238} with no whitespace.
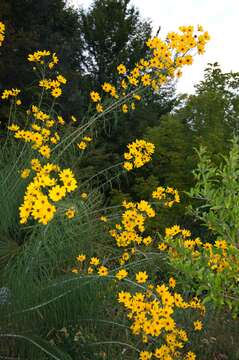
{"x":84,"y":143}
{"x":53,"y":85}
{"x":218,"y":256}
{"x":42,"y":135}
{"x":39,"y":57}
{"x":162,"y":193}
{"x":133,"y":224}
{"x":2,"y":33}
{"x":163,"y":62}
{"x":49,"y":185}
{"x":174,"y":230}
{"x":10,"y":93}
{"x":151,"y":312}
{"x":140,"y":152}
{"x":91,"y":265}
{"x":170,"y":234}
{"x":44,"y":190}
{"x":212,"y":265}
{"x":111,"y":89}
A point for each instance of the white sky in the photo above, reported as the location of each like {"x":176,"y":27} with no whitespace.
{"x":219,"y":17}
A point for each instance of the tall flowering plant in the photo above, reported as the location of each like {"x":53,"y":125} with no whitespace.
{"x":150,"y":305}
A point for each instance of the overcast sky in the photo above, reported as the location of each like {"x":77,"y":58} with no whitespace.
{"x":219,"y":17}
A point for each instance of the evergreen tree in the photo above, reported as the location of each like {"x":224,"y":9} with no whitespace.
{"x":113,"y":32}
{"x":37,"y":25}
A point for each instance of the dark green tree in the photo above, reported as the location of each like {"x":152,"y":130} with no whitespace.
{"x":33,"y":25}
{"x":209,"y":118}
{"x":113,"y":32}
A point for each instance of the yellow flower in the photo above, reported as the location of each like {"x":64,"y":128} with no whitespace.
{"x":207,"y":246}
{"x":125,"y":256}
{"x":125,"y":108}
{"x":197,"y":325}
{"x":141,"y":277}
{"x":90,"y":270}
{"x":161,"y":352}
{"x":68,"y":179}
{"x":57,"y":193}
{"x":84,"y":195}
{"x":136,"y":97}
{"x":103,"y":218}
{"x":36,"y":165}
{"x":145,"y":355}
{"x":46,"y":214}
{"x":162,"y":246}
{"x":2,"y":33}
{"x":121,"y":274}
{"x":106,"y":87}
{"x":221,"y":244}
{"x":121,"y":69}
{"x":61,"y":79}
{"x":38,"y":55}
{"x":186,"y":233}
{"x":95,"y":97}
{"x":45,"y":84}
{"x":146,"y":79}
{"x":123,"y":85}
{"x":55,"y":58}
{"x":13,"y":127}
{"x":128,"y":166}
{"x":190,"y":356}
{"x":82,"y":145}
{"x":87,"y":138}
{"x":188,"y":60}
{"x":99,"y":108}
{"x":61,"y":120}
{"x":56,"y":92}
{"x":179,"y":73}
{"x":174,"y":230}
{"x":147,"y":241}
{"x":81,"y":258}
{"x":45,"y":151}
{"x":124,"y":297}
{"x":103,"y":271}
{"x":70,"y":213}
{"x":25,"y":173}
{"x":172,"y":282}
{"x":94,"y":261}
